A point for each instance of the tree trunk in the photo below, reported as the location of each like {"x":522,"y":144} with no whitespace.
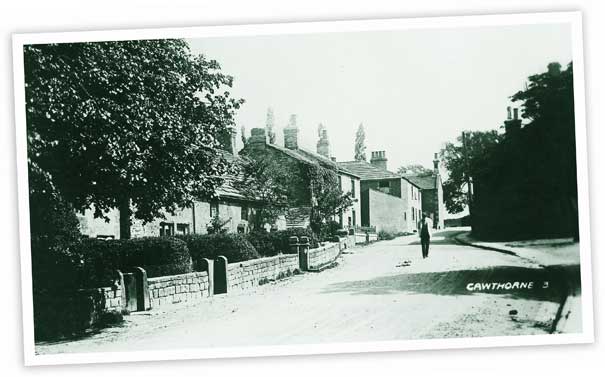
{"x":125,"y":219}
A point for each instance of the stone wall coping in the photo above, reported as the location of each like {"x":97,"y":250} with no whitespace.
{"x":253,"y":262}
{"x":328,"y":245}
{"x":161,"y":279}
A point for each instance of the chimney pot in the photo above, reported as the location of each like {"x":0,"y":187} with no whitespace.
{"x":516,"y":113}
{"x":379,"y":159}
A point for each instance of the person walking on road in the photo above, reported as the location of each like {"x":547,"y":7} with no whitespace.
{"x":425,"y":226}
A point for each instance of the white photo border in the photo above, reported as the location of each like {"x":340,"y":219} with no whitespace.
{"x":573,"y":18}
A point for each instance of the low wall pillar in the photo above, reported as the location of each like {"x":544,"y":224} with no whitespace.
{"x":207,"y":265}
{"x":119,"y":283}
{"x":303,"y":253}
{"x":140,"y":277}
{"x":220,"y":275}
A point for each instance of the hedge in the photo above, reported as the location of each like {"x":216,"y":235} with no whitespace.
{"x":93,"y":262}
{"x":266,"y":243}
{"x":235,"y":247}
{"x":159,"y":256}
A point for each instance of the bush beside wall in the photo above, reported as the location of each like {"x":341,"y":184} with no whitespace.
{"x":235,"y":247}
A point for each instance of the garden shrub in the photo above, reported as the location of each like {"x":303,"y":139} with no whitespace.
{"x":235,"y":247}
{"x":159,"y":256}
{"x":328,"y":230}
{"x":93,"y":262}
{"x":265,"y":243}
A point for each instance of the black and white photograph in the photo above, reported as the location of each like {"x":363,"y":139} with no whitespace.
{"x":303,"y":188}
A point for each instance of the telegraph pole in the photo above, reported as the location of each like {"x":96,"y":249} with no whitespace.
{"x":469,"y":191}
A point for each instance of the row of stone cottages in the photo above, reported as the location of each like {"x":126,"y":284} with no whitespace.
{"x":383,"y":200}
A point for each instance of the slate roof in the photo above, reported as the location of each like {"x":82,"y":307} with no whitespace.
{"x":426,"y":182}
{"x":228,"y":189}
{"x":367,"y":171}
{"x":309,"y":157}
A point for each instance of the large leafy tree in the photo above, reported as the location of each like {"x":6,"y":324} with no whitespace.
{"x":465,"y":158}
{"x":133,"y":125}
{"x":548,"y":141}
{"x":360,"y":144}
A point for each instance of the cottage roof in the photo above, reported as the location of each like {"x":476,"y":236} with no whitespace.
{"x":367,"y":171}
{"x":228,"y":189}
{"x":424,"y":182}
{"x":309,"y":157}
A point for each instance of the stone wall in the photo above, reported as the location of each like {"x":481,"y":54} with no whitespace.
{"x":323,"y":255}
{"x":113,"y":298}
{"x":249,"y":274}
{"x":167,"y":290}
{"x":360,"y":238}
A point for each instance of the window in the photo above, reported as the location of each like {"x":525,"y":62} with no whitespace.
{"x":166,"y":229}
{"x":340,"y":219}
{"x":349,"y":221}
{"x":413,"y":214}
{"x":354,"y":217}
{"x":213,"y":209}
{"x":182,"y":228}
{"x":244,"y":213}
{"x":340,"y":182}
{"x":405,"y":215}
{"x":352,"y":187}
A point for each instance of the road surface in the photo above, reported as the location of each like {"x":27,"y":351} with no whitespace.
{"x":371,"y":295}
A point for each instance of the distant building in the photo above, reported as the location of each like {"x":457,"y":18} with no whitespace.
{"x":295,"y":158}
{"x":388,"y":201}
{"x":432,"y":193}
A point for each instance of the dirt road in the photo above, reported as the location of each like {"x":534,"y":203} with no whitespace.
{"x":372,"y":295}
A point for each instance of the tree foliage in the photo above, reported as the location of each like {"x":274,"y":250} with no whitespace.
{"x":327,"y":196}
{"x":525,"y":180}
{"x":267,"y":183}
{"x":128,"y":124}
{"x":414,"y":169}
{"x":461,"y":160}
{"x":360,"y":144}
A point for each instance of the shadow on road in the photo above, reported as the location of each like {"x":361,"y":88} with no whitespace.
{"x":549,"y":284}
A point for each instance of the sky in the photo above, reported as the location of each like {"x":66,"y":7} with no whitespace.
{"x":413,"y":90}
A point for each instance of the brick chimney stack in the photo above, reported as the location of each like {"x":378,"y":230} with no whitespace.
{"x":379,"y":159}
{"x":227,"y":140}
{"x":323,"y":144}
{"x":436,"y":164}
{"x":291,"y":134}
{"x":512,"y":125}
{"x":258,"y":139}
